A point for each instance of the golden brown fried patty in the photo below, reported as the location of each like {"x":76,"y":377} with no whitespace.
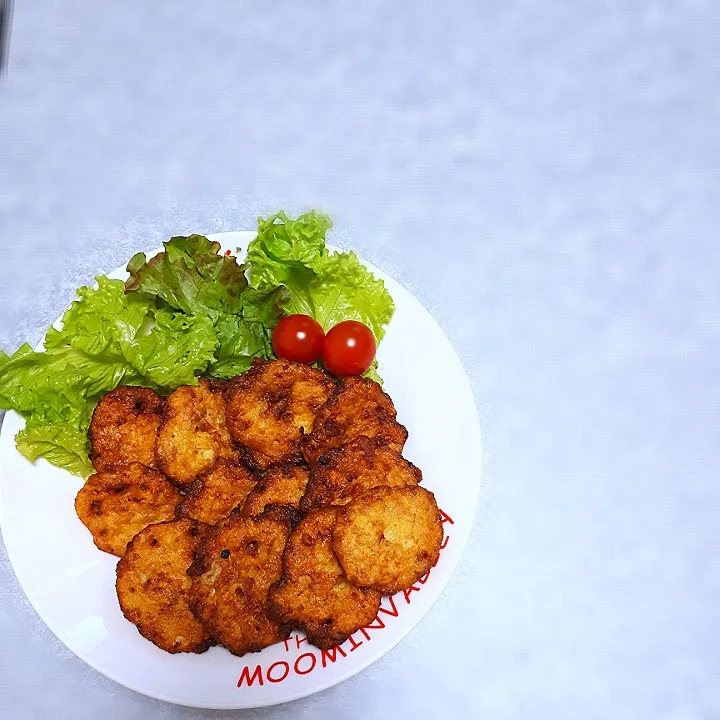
{"x":357,"y":406}
{"x":314,"y":594}
{"x":123,"y":427}
{"x":153,"y":585}
{"x":193,"y":434}
{"x":236,"y":564}
{"x":270,"y":406}
{"x":215,"y":495}
{"x":349,"y":471}
{"x":388,"y":537}
{"x":116,"y":505}
{"x":281,"y":485}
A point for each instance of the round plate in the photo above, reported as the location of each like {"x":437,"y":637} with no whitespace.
{"x":71,"y":584}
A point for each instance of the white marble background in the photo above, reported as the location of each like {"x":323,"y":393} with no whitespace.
{"x":544,"y":177}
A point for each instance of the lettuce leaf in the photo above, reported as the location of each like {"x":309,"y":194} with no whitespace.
{"x":330,"y":287}
{"x":345,"y":290}
{"x":177,"y":349}
{"x":240,"y":342}
{"x":64,"y":444}
{"x":45,"y":384}
{"x":289,"y":246}
{"x":244,"y":337}
{"x":203,"y":287}
{"x":286,"y":253}
{"x":190,"y":276}
{"x":102,"y":321}
{"x":55,"y":391}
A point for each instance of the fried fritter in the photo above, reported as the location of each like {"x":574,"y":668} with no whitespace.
{"x":193,"y":434}
{"x":358,"y":406}
{"x":235,"y":565}
{"x":281,"y":485}
{"x":153,"y":585}
{"x":314,"y":594}
{"x":116,"y":505}
{"x":270,"y":406}
{"x":215,"y":495}
{"x":349,"y":471}
{"x":123,"y":427}
{"x":388,"y":537}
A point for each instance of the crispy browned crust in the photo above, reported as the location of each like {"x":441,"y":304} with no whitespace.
{"x":116,"y":505}
{"x":123,"y":427}
{"x":388,"y":537}
{"x":357,"y":407}
{"x":314,"y":594}
{"x":217,"y":384}
{"x":153,"y":585}
{"x":269,"y":408}
{"x":281,"y":485}
{"x":235,"y":565}
{"x":193,"y":434}
{"x":346,"y":472}
{"x":215,"y":495}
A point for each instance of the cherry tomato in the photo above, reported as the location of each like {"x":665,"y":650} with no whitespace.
{"x":349,"y":348}
{"x":299,"y":338}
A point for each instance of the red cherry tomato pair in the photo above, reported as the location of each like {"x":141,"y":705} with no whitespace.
{"x":347,"y":349}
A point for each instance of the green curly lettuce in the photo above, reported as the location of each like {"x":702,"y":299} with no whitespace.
{"x":188,"y":311}
{"x":331,"y":287}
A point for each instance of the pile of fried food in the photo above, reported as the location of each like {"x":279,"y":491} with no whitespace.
{"x":244,"y":509}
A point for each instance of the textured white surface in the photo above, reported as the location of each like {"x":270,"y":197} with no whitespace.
{"x":545,"y":178}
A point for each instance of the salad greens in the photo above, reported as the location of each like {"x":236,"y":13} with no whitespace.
{"x":331,"y":287}
{"x":188,"y":312}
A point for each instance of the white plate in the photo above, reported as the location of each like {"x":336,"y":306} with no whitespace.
{"x":71,"y":584}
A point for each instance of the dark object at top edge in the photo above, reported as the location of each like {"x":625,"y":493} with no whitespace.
{"x":5,"y":21}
